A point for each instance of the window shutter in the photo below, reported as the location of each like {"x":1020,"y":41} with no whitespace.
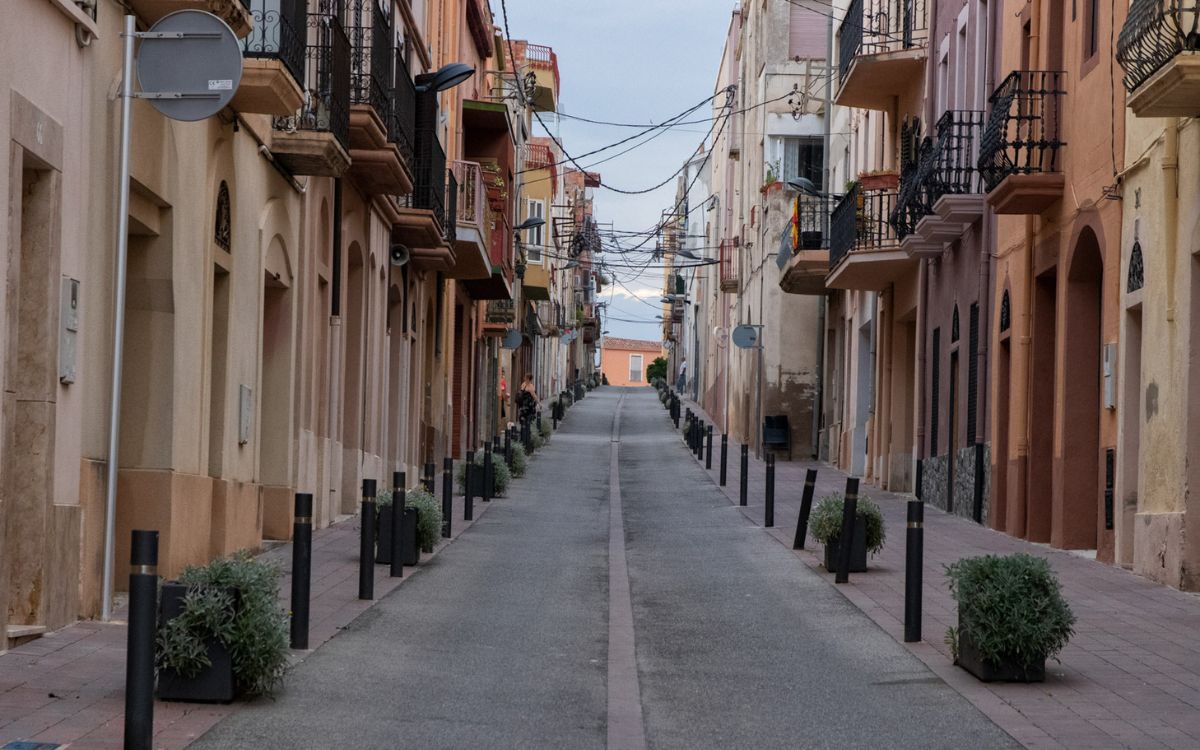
{"x":807,"y":33}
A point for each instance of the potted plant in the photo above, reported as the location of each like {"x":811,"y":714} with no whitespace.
{"x":429,"y":518}
{"x":501,"y":475}
{"x":826,"y":526}
{"x":544,"y":428}
{"x":520,"y":460}
{"x":221,"y":632}
{"x":1011,"y":617}
{"x":383,"y":530}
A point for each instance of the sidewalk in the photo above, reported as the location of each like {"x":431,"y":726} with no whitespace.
{"x":69,"y":685}
{"x":1130,"y":677}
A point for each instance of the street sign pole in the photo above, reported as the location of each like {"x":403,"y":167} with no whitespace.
{"x":114,"y":418}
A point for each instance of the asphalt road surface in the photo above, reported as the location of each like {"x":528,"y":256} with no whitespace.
{"x":538,"y":628}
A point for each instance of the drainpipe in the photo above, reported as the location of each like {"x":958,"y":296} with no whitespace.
{"x":1170,"y":190}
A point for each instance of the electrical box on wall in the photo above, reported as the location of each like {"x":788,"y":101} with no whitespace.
{"x":68,"y":330}
{"x":245,"y":410}
{"x":1110,"y":380}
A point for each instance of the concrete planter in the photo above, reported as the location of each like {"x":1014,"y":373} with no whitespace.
{"x":858,"y":550}
{"x":213,"y":684}
{"x":1006,"y":670}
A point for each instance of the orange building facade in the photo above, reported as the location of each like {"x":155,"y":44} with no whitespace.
{"x":624,"y":361}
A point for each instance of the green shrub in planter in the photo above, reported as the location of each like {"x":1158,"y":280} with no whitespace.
{"x":520,"y":460}
{"x":1011,"y":617}
{"x":234,"y":601}
{"x":429,"y":522}
{"x":537,"y":440}
{"x":501,"y":476}
{"x":545,"y":428}
{"x":825,"y":523}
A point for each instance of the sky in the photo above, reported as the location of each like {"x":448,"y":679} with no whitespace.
{"x":628,"y":61}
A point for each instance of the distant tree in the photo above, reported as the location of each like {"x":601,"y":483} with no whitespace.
{"x":656,"y":369}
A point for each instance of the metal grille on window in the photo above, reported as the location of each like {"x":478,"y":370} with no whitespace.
{"x":934,"y":383}
{"x":972,"y":370}
{"x":223,"y":232}
{"x":1136,"y":272}
{"x":1005,"y":312}
{"x":954,"y":326}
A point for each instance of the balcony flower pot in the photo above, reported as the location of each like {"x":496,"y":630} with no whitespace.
{"x":879,"y":181}
{"x":1011,"y":617}
{"x":825,"y":523}
{"x":208,"y":684}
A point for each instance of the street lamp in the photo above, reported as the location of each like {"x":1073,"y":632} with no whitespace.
{"x":806,"y":186}
{"x":446,"y":77}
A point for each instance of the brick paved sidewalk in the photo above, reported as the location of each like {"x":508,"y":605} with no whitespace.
{"x":1129,"y":678}
{"x":68,"y":686}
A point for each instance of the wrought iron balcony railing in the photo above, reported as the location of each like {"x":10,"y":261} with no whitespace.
{"x":373,"y":57}
{"x":403,"y":123}
{"x":451,"y":217}
{"x":277,"y":32}
{"x":812,"y":226}
{"x":944,"y":163}
{"x":326,"y":78}
{"x":1021,"y":135}
{"x":471,"y":206}
{"x":872,"y":27}
{"x":728,"y":263}
{"x":861,"y":221}
{"x":1156,"y":31}
{"x":429,"y":178}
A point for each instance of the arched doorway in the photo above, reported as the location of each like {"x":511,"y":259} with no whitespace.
{"x":1078,"y":479}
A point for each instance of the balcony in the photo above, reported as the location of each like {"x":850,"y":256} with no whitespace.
{"x":473,"y":232}
{"x":1159,"y":49}
{"x":941,"y":191}
{"x":499,"y":315}
{"x":543,"y":64}
{"x":382,"y":105}
{"x":727,"y":258}
{"x":805,"y":270}
{"x":423,"y":222}
{"x":315,"y":138}
{"x":236,"y":13}
{"x":881,"y":51}
{"x":274,"y":66}
{"x":1018,"y":153}
{"x":536,"y":283}
{"x":864,"y":251}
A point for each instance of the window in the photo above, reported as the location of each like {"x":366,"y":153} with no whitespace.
{"x":802,"y":157}
{"x":222,"y":230}
{"x":635,"y":368}
{"x":534,"y":243}
{"x":1091,"y":42}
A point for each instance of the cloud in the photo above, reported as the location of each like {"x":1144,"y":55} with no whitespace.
{"x":638,"y":292}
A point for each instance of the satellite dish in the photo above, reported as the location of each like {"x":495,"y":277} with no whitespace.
{"x":718,"y":334}
{"x":745,"y":337}
{"x":512,"y":339}
{"x":189,"y":65}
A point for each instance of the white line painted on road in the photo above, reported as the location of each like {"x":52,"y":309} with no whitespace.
{"x":626,"y":729}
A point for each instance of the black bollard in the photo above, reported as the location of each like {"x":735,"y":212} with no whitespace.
{"x":301,"y":568}
{"x":428,"y":479}
{"x":769,"y":500}
{"x":846,"y":538}
{"x":914,"y":554}
{"x":447,"y":495}
{"x":810,"y":482}
{"x":139,"y":644}
{"x":487,"y":473}
{"x":399,"y":482}
{"x":708,"y":454}
{"x":700,"y":441}
{"x":508,"y":448}
{"x":468,"y":490}
{"x":724,"y":458}
{"x":743,"y":487}
{"x":366,"y":543}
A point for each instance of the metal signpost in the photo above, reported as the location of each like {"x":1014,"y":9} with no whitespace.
{"x":189,"y":67}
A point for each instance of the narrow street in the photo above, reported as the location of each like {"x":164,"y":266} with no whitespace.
{"x":518,"y":635}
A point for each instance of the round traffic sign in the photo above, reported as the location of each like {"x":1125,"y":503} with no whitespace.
{"x":745,"y":337}
{"x":190,"y":65}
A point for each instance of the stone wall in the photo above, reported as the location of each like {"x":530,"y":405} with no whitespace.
{"x":935,"y":484}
